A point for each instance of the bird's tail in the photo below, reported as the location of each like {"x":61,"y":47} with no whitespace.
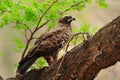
{"x":25,"y":63}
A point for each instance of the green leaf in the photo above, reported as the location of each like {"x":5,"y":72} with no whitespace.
{"x":19,"y":45}
{"x":85,"y":27}
{"x":80,"y":7}
{"x":20,"y":26}
{"x":51,"y":25}
{"x":30,"y":14}
{"x":41,"y":62}
{"x":6,"y":17}
{"x":52,"y":16}
{"x":94,"y":29}
{"x":9,"y":3}
{"x":40,"y":7}
{"x":15,"y":13}
{"x":3,"y":8}
{"x":102,"y":4}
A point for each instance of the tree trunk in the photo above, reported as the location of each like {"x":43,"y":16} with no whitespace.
{"x":85,"y":60}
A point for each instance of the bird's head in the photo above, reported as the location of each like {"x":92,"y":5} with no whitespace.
{"x":66,"y":20}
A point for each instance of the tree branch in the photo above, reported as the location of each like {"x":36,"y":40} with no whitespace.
{"x":43,"y":24}
{"x":26,"y":26}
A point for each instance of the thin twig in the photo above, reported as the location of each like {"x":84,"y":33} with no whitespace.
{"x":26,"y":34}
{"x":25,"y":26}
{"x":59,"y":67}
{"x":74,"y":5}
{"x":43,"y":24}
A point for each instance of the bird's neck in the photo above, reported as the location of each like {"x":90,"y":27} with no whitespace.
{"x":65,"y":25}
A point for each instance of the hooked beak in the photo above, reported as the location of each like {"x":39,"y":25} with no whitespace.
{"x":72,"y":19}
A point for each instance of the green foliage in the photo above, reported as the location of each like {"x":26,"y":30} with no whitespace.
{"x":6,"y":18}
{"x":28,"y":11}
{"x":102,"y":3}
{"x":86,"y":27}
{"x":51,"y":25}
{"x":5,"y":5}
{"x":19,"y":45}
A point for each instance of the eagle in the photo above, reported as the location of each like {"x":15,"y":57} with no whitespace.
{"x":48,"y":45}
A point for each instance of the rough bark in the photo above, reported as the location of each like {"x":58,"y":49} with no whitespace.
{"x":84,"y":61}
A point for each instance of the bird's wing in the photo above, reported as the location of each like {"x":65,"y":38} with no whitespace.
{"x":46,"y":35}
{"x":51,"y":41}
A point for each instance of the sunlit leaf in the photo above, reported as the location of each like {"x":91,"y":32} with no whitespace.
{"x":41,"y":62}
{"x":85,"y":27}
{"x":102,"y":4}
{"x":94,"y":29}
{"x":51,"y":25}
{"x":30,"y":14}
{"x":19,"y":45}
{"x":6,"y":17}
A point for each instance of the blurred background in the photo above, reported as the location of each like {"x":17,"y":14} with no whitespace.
{"x":92,"y":14}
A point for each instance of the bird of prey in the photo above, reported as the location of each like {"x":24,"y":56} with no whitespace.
{"x":48,"y":45}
